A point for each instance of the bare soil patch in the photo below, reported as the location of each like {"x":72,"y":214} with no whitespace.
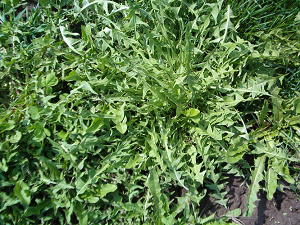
{"x":284,"y":208}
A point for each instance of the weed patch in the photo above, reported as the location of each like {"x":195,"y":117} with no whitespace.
{"x":135,"y":112}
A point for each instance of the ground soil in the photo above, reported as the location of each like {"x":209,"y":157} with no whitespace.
{"x":30,"y":4}
{"x":284,"y":208}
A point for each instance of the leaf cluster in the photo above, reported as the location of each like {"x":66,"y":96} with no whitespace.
{"x":132,"y":112}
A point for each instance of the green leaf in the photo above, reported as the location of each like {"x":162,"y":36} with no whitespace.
{"x":271,"y":152}
{"x":95,"y":126}
{"x":271,"y":182}
{"x":235,"y":153}
{"x":207,"y":219}
{"x":133,"y":162}
{"x":51,"y":166}
{"x":7,"y":126}
{"x":83,"y":187}
{"x":15,"y":138}
{"x":3,"y":165}
{"x":21,"y":190}
{"x":234,"y":213}
{"x":214,"y":11}
{"x":51,"y":80}
{"x":70,"y":41}
{"x":62,"y":134}
{"x":168,"y":220}
{"x":84,"y":86}
{"x":263,"y":113}
{"x":294,"y":120}
{"x":104,"y":99}
{"x":107,"y":188}
{"x":192,"y":112}
{"x":34,"y":113}
{"x":86,"y":32}
{"x":73,"y":76}
{"x":4,"y":115}
{"x":39,"y":133}
{"x":215,"y":134}
{"x":153,"y":184}
{"x":227,"y":24}
{"x":62,"y":185}
{"x":183,"y":202}
{"x":118,"y":113}
{"x":93,"y":200}
{"x":122,"y":127}
{"x":282,"y":169}
{"x":277,"y":107}
{"x":36,"y":210}
{"x":256,"y":177}
{"x":41,"y":42}
{"x":297,"y":102}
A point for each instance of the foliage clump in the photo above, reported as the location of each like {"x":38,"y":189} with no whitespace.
{"x":108,"y":107}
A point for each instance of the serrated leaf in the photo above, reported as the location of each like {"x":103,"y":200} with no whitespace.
{"x":168,"y":220}
{"x":84,"y":86}
{"x":50,"y":165}
{"x":85,"y":185}
{"x":207,"y":219}
{"x":227,"y":24}
{"x":81,"y":164}
{"x":73,"y":76}
{"x":119,"y":114}
{"x":183,"y":202}
{"x":133,"y":162}
{"x":4,"y":115}
{"x":86,"y":32}
{"x":36,"y":210}
{"x":234,"y":213}
{"x":283,"y":170}
{"x":271,"y":152}
{"x":271,"y":182}
{"x":153,"y":184}
{"x":70,"y":41}
{"x":176,"y":175}
{"x":256,"y":177}
{"x":215,"y":134}
{"x":214,"y":11}
{"x":62,"y":185}
{"x":199,"y":176}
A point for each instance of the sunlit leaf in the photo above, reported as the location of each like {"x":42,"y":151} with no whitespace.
{"x":192,"y":112}
{"x":95,"y":126}
{"x":271,"y":182}
{"x":256,"y":177}
{"x":107,"y":188}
